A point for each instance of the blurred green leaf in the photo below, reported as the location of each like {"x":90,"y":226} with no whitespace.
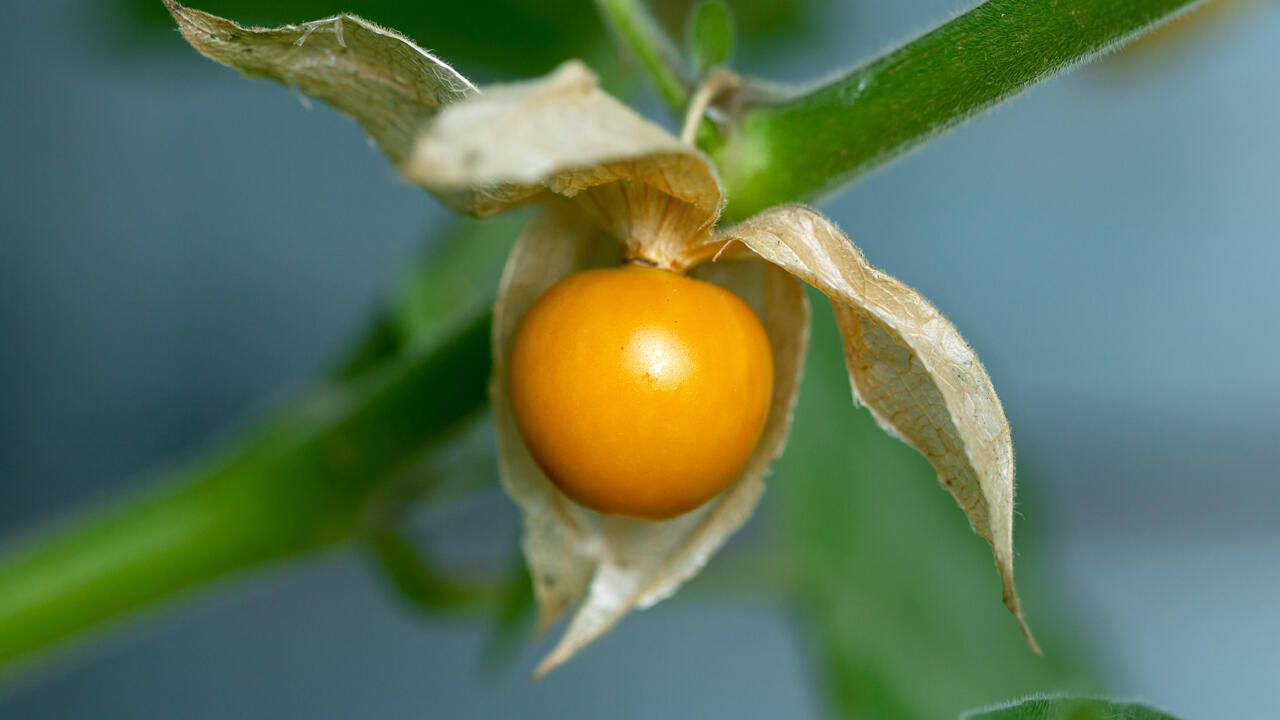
{"x":900,"y":600}
{"x":709,"y":36}
{"x":518,"y":38}
{"x":417,"y":579}
{"x":487,"y":40}
{"x":453,"y":277}
{"x":512,"y":616}
{"x":1069,"y":709}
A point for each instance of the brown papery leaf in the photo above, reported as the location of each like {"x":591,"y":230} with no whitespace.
{"x":562,"y":135}
{"x":551,"y":245}
{"x":379,"y":77}
{"x":910,"y":367}
{"x":624,"y":563}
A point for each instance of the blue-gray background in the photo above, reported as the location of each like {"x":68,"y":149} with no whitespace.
{"x":181,"y":247}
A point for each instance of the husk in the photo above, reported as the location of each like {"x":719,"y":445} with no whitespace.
{"x":599,"y":166}
{"x":562,"y":135}
{"x":377,"y":76}
{"x":910,"y":367}
{"x":624,"y":563}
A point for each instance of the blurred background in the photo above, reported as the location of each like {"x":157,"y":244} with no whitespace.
{"x":185,"y":249}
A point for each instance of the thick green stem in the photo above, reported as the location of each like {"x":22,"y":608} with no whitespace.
{"x":299,"y":484}
{"x":638,"y":32}
{"x":803,"y":146}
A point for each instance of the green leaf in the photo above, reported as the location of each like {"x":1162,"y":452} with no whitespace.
{"x":710,"y":36}
{"x":801,"y":146}
{"x":450,"y":280}
{"x":512,"y":616}
{"x":455,"y":279}
{"x":492,"y":39}
{"x":895,"y":593}
{"x":1065,"y":708}
{"x":521,"y":37}
{"x":417,"y":579}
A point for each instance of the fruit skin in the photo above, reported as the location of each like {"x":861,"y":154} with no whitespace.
{"x":640,"y":391}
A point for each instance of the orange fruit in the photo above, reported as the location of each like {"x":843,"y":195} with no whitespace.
{"x":640,"y":391}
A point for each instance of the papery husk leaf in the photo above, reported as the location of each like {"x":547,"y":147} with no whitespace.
{"x":625,"y":563}
{"x":563,"y":135}
{"x":645,"y":561}
{"x":377,"y":76}
{"x":910,"y":367}
{"x":557,"y":533}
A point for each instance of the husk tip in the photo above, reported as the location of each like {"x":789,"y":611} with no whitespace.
{"x":193,"y":22}
{"x":553,"y":660}
{"x":1026,"y":633}
{"x":1015,"y":606}
{"x":179,"y":12}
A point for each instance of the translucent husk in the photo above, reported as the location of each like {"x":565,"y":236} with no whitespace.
{"x":624,"y":563}
{"x":910,"y":367}
{"x":378,"y":76}
{"x":562,"y":136}
{"x":614,"y":186}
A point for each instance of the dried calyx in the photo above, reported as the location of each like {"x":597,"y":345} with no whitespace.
{"x":613,"y":185}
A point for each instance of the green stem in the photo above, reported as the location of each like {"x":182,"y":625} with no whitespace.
{"x":299,"y":484}
{"x":637,"y":31}
{"x":806,"y":145}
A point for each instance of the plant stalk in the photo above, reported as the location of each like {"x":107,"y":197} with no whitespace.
{"x":806,"y":145}
{"x":297,"y":484}
{"x":636,"y":30}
